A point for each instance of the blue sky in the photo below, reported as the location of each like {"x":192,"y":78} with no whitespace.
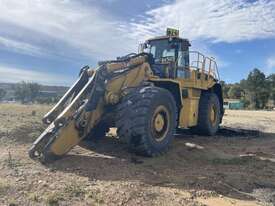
{"x":48,"y":41}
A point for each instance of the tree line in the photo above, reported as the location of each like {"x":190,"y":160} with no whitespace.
{"x":3,"y":93}
{"x":255,"y":91}
{"x":29,"y":92}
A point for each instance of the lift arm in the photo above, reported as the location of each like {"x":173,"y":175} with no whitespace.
{"x":83,"y":105}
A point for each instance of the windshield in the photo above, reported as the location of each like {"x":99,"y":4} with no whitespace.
{"x":162,"y":50}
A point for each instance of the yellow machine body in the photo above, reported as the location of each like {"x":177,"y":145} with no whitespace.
{"x":75,"y":115}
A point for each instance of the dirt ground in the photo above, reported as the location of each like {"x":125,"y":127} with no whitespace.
{"x":231,"y":168}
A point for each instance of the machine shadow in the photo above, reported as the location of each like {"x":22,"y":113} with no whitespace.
{"x":214,"y":166}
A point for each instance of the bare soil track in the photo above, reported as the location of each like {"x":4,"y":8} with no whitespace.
{"x":235,"y":167}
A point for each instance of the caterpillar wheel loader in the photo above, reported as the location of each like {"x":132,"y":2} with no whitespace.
{"x":146,"y":96}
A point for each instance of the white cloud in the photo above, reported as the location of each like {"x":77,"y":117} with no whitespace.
{"x":11,"y":74}
{"x":210,"y":21}
{"x":20,"y":47}
{"x":219,"y":21}
{"x":67,"y":26}
{"x":50,"y":23}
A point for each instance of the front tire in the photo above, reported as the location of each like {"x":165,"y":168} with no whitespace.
{"x":147,"y":119}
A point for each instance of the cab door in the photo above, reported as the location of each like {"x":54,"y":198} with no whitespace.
{"x":182,"y":63}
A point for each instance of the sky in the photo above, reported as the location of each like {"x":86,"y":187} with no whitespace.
{"x":48,"y":41}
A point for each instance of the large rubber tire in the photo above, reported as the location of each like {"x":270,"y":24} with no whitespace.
{"x":146,"y":119}
{"x":207,"y":125}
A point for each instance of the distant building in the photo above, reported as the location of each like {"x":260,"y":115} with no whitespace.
{"x":233,"y":104}
{"x":48,"y":94}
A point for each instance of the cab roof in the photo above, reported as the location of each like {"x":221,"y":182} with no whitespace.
{"x":186,"y":41}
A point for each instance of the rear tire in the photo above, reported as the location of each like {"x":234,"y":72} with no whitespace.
{"x":209,"y":115}
{"x":146,"y":119}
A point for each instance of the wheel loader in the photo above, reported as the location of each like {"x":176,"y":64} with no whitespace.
{"x":147,"y":96}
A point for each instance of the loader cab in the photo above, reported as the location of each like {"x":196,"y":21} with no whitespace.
{"x":170,"y":55}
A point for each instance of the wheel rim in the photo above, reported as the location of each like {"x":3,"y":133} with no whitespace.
{"x":213,"y":115}
{"x":160,"y":123}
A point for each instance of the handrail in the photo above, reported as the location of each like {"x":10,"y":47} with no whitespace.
{"x":201,"y":63}
{"x":199,"y":60}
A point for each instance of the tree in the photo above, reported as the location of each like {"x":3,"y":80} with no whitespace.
{"x":26,"y":92}
{"x":34,"y":90}
{"x":21,"y":91}
{"x":258,"y":88}
{"x":235,"y":92}
{"x":271,"y":82}
{"x":254,"y":92}
{"x":2,"y":93}
{"x":225,"y":89}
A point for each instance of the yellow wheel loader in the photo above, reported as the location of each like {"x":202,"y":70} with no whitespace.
{"x":146,"y":96}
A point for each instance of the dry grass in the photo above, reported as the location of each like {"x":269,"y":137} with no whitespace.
{"x":74,"y":190}
{"x":109,"y":175}
{"x":54,"y":198}
{"x":95,"y":197}
{"x":34,"y":197}
{"x":4,"y":187}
